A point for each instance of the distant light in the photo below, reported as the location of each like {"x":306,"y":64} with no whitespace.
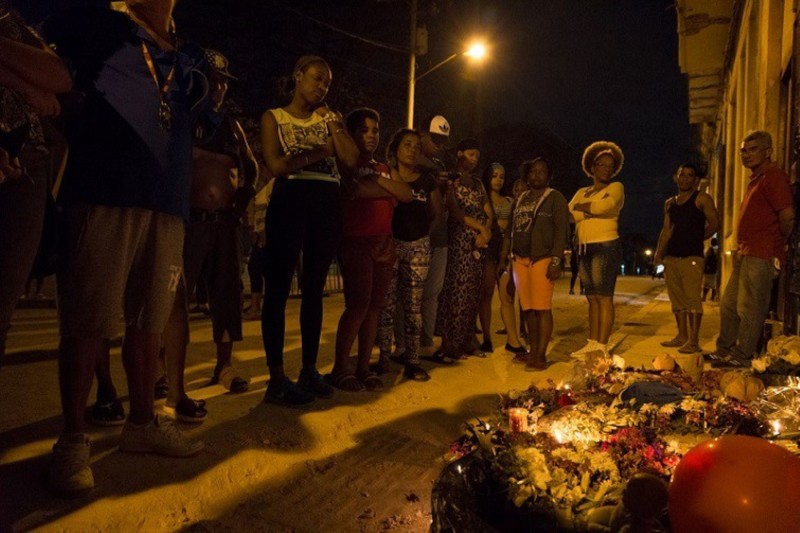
{"x":648,"y":252}
{"x":476,"y":51}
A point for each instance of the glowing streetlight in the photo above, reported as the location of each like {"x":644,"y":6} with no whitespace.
{"x":648,"y":252}
{"x":476,"y":51}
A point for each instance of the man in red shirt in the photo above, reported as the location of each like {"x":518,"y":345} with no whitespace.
{"x":765,"y":222}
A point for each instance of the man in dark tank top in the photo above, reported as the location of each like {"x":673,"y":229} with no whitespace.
{"x":689,"y":219}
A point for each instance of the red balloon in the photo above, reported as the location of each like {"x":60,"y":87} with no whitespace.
{"x":736,"y":484}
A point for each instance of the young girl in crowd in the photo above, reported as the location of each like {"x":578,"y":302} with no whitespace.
{"x":411,"y":227}
{"x":468,"y":235}
{"x":367,"y":252}
{"x":304,"y":145}
{"x":535,"y":245}
{"x":595,"y":210}
{"x":493,"y":179}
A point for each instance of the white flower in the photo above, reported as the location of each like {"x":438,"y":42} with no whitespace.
{"x":690,"y":404}
{"x":668,"y":409}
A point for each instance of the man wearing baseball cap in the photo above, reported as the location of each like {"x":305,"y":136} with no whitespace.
{"x":434,"y":132}
{"x":224,"y":172}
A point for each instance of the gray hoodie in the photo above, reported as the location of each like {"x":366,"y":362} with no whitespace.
{"x":546,"y":234}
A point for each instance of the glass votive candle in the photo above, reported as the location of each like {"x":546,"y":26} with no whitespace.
{"x":518,"y":419}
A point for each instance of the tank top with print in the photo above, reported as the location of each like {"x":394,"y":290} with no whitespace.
{"x":298,"y":135}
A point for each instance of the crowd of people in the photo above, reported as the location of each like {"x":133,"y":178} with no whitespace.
{"x":159,"y":176}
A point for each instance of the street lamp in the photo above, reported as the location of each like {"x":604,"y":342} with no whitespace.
{"x":476,"y":51}
{"x":648,"y":252}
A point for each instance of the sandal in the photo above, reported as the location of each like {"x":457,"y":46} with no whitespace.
{"x":161,"y":388}
{"x":521,"y":357}
{"x":690,"y":347}
{"x":382,"y":366}
{"x":372,"y":382}
{"x":674,"y":343}
{"x":230,"y":381}
{"x":345,"y":382}
{"x":107,"y":414}
{"x":439,"y":357}
{"x":415,"y":373}
{"x":187,"y":410}
{"x":536,"y":366}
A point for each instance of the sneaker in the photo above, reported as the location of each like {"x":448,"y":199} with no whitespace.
{"x":515,"y":349}
{"x":70,"y":474}
{"x":311,"y":380}
{"x":590,"y":346}
{"x":107,"y":414}
{"x":159,"y":436}
{"x":161,"y":389}
{"x":730,"y":361}
{"x":186,"y":410}
{"x":716,"y":356}
{"x":284,"y":392}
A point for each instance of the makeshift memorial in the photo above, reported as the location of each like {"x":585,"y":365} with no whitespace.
{"x":589,"y":439}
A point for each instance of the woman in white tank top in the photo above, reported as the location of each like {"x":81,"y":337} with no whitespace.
{"x":304,"y":144}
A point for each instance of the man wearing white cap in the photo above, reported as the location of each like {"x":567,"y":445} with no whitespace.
{"x":434,"y":132}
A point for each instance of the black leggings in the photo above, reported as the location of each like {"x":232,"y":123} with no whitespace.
{"x":302,"y":215}
{"x":255,"y":269}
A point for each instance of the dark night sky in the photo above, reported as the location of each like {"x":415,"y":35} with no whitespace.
{"x":582,"y":69}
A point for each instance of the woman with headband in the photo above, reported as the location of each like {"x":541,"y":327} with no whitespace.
{"x":595,"y":210}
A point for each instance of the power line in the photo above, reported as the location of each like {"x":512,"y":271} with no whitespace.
{"x":379,"y":44}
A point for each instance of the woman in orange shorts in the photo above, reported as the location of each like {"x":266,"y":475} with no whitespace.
{"x":535,"y":246}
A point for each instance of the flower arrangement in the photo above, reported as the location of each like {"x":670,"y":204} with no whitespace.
{"x":782,"y":357}
{"x":584,"y":442}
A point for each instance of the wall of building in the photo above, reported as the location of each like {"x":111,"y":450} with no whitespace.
{"x":755,"y":93}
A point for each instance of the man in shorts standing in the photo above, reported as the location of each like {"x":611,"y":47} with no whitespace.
{"x":689,"y":218}
{"x":126,"y":195}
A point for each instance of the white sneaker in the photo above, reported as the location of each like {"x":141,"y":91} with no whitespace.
{"x":70,"y":474}
{"x":590,"y":346}
{"x":158,"y":436}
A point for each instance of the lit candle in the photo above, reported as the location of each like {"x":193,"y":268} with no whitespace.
{"x":518,"y":419}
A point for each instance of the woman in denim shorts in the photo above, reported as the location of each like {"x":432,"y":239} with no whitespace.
{"x":595,"y":210}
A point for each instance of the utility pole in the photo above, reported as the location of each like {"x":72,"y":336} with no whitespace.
{"x":412,"y":62}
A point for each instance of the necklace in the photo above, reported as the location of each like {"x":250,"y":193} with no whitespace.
{"x":164,"y":111}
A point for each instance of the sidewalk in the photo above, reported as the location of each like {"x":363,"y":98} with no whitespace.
{"x":639,"y":339}
{"x":358,"y":462}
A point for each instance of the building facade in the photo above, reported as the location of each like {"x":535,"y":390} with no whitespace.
{"x":739,"y":57}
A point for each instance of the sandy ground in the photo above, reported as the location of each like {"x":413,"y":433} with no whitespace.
{"x":358,"y":462}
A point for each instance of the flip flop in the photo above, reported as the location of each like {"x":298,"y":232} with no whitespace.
{"x":345,"y":382}
{"x":230,"y":380}
{"x":381,"y":367}
{"x":440,"y":358}
{"x":673,"y":343}
{"x":415,"y":373}
{"x":372,"y":382}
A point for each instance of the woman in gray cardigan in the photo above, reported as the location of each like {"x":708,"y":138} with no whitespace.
{"x":535,"y":248}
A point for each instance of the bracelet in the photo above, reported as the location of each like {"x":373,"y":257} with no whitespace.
{"x":340,"y":130}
